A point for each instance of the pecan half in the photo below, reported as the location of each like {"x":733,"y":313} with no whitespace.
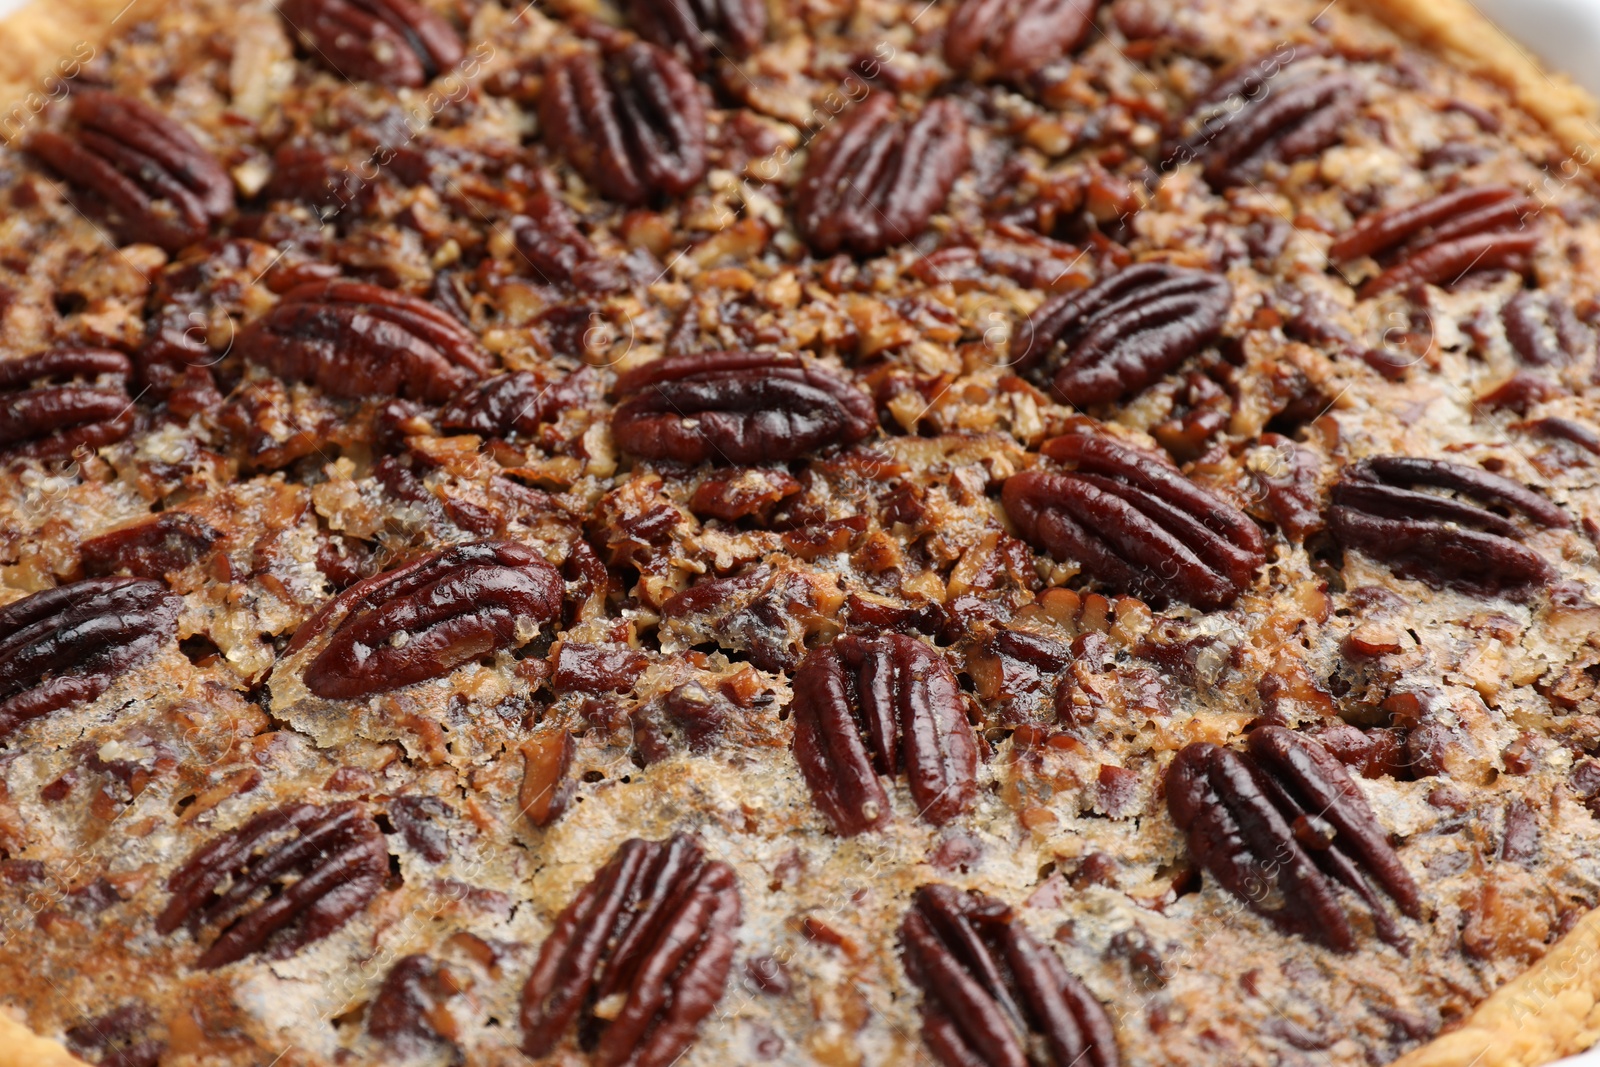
{"x":653,"y":930}
{"x":1014,"y":39}
{"x":137,"y":169}
{"x":548,"y":237}
{"x":52,"y":403}
{"x":1262,"y":112}
{"x":154,"y":548}
{"x":993,"y":993}
{"x":1544,"y":331}
{"x":870,"y":706}
{"x":1382,"y":507}
{"x":515,"y":403}
{"x":1135,"y":523}
{"x":68,"y":644}
{"x":1282,"y":826}
{"x":634,"y":125}
{"x":1122,"y":334}
{"x":876,"y":179}
{"x":697,"y":28}
{"x":736,"y":408}
{"x":1441,"y":240}
{"x":427,"y":618}
{"x":286,"y":878}
{"x":357,"y":340}
{"x":396,"y":42}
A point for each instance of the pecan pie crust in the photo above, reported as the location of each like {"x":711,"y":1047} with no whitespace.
{"x":1529,"y":995}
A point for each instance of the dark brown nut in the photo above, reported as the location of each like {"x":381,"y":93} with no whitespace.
{"x":1281,"y":826}
{"x":688,"y":717}
{"x":516,"y":403}
{"x":737,"y":408}
{"x":422,"y":822}
{"x":876,"y":178}
{"x":870,"y":706}
{"x":411,"y":1010}
{"x":1135,"y":524}
{"x":546,"y":788}
{"x":655,"y":930}
{"x":1121,"y":335}
{"x":396,"y":42}
{"x":741,"y":492}
{"x":362,"y":341}
{"x":549,"y":239}
{"x":137,"y":169}
{"x":119,"y":1038}
{"x":286,"y":878}
{"x":1543,"y":330}
{"x":154,"y":548}
{"x":1585,"y":437}
{"x":1012,"y":40}
{"x":1263,"y":112}
{"x":67,"y":645}
{"x":582,"y":668}
{"x":1440,"y":240}
{"x":731,"y":29}
{"x":634,"y":125}
{"x":765,"y":613}
{"x":1382,"y":507}
{"x":427,"y":618}
{"x":993,"y":994}
{"x":1288,"y":482}
{"x":52,"y":403}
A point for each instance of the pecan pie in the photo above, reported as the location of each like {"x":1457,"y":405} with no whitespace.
{"x":635,"y":532}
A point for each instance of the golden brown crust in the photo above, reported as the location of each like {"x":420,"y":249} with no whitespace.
{"x":1550,"y":1011}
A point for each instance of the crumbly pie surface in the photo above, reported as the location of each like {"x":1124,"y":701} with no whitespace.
{"x":994,"y":532}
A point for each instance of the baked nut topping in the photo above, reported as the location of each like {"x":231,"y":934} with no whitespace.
{"x":64,"y":399}
{"x":398,"y":42}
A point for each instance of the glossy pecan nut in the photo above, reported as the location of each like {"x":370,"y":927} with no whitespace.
{"x":286,"y":878}
{"x":395,"y":42}
{"x":425,"y":619}
{"x":700,"y":29}
{"x":1543,"y":330}
{"x":154,"y":548}
{"x":1014,"y":39}
{"x":1392,"y":509}
{"x":1271,"y":109}
{"x":876,"y":178}
{"x":516,"y":403}
{"x":360,"y":341}
{"x":865,"y":707}
{"x":736,"y":408}
{"x":1441,"y":240}
{"x":548,"y":237}
{"x":138,"y":169}
{"x":651,"y":937}
{"x":634,"y":124}
{"x":411,"y":1010}
{"x":993,"y":994}
{"x":55,"y":402}
{"x":1124,"y":333}
{"x":1281,"y":826}
{"x":67,"y":645}
{"x":1133,"y":522}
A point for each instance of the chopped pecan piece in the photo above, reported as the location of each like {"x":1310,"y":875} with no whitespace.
{"x":396,"y":42}
{"x":358,"y":340}
{"x":1261,"y":112}
{"x":1121,"y":335}
{"x":634,"y":124}
{"x":870,"y":706}
{"x":118,"y":1038}
{"x":549,"y":239}
{"x":286,"y":878}
{"x":52,"y":403}
{"x":1543,"y":330}
{"x":993,"y":993}
{"x":653,"y":930}
{"x":427,"y":618}
{"x":154,"y":548}
{"x":138,"y":169}
{"x":697,"y":28}
{"x":411,"y":1010}
{"x":1441,"y":240}
{"x":876,"y":179}
{"x":1136,"y":524}
{"x":515,"y":403}
{"x":67,"y":645}
{"x":1015,"y":39}
{"x":1382,"y":507}
{"x":1281,"y":826}
{"x":546,"y":787}
{"x":737,"y":408}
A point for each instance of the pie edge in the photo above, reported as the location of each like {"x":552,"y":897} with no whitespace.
{"x":1549,"y":1011}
